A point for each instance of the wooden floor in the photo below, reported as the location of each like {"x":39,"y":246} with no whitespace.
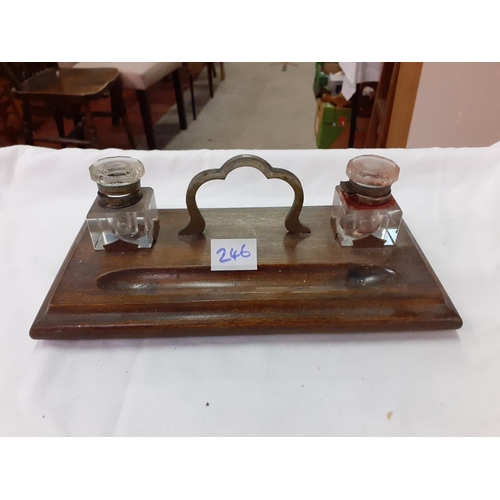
{"x":162,"y":98}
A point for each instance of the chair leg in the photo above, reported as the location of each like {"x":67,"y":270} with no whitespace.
{"x":77,"y":122}
{"x":210,"y":79}
{"x":179,"y":97}
{"x":115,"y":107}
{"x":128,"y":128}
{"x":185,"y":66}
{"x":191,"y":88}
{"x":116,"y":97}
{"x":89,"y":125}
{"x":147,"y":119}
{"x":222,"y":72}
{"x":27,"y":128}
{"x":59,"y":117}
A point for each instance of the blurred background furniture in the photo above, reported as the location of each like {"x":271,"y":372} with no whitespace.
{"x":10,"y":111}
{"x":380,"y":98}
{"x":356,"y":74}
{"x":382,"y":107}
{"x":393,"y":106}
{"x":346,"y":86}
{"x":139,"y":76}
{"x":212,"y":72}
{"x":66,"y":91}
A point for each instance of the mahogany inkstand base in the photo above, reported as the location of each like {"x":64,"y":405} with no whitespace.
{"x":306,"y":282}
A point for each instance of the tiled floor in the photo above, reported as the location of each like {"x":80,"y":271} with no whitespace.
{"x":258,"y":106}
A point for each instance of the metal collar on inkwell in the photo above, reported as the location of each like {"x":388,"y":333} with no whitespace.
{"x":366,"y":195}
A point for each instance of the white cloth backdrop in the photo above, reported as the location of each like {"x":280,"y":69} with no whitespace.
{"x":435,"y":383}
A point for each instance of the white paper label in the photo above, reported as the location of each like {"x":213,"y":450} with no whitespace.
{"x":233,"y":255}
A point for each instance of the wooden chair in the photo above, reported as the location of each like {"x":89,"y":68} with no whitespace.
{"x":63,"y":89}
{"x":139,"y":76}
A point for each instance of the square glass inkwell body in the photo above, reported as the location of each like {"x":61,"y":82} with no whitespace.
{"x":122,"y":211}
{"x":363,"y":206}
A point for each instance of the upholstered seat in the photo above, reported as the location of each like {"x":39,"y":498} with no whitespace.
{"x":139,"y":76}
{"x":136,"y":75}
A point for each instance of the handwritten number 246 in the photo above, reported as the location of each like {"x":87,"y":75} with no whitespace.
{"x":233,"y":254}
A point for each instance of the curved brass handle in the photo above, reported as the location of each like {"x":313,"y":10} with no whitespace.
{"x":197,"y":223}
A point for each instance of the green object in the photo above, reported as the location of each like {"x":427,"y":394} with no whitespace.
{"x":320,"y":80}
{"x":332,"y":122}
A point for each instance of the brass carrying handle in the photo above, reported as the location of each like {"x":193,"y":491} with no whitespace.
{"x":197,"y":223}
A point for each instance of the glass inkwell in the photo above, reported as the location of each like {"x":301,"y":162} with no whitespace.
{"x":124,"y":214}
{"x":364,"y":211}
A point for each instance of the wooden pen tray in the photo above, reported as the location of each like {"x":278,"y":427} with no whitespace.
{"x":304,"y":284}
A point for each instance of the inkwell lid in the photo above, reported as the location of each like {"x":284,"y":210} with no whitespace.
{"x":118,"y":181}
{"x":370,"y":179}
